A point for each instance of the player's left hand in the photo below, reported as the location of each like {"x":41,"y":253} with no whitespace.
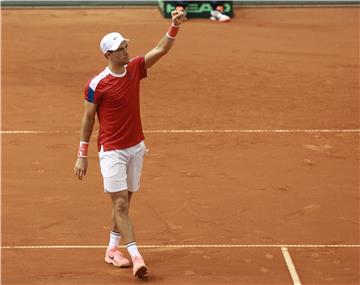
{"x":177,"y":17}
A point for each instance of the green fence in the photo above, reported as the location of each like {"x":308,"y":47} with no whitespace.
{"x":24,"y":3}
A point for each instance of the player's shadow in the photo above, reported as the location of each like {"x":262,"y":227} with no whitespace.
{"x":151,"y":278}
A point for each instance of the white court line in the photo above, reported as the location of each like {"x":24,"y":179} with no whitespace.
{"x":290,"y":265}
{"x":188,"y":246}
{"x":258,"y":131}
{"x":14,"y":132}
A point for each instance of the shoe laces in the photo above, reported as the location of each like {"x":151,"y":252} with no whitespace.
{"x":114,"y":252}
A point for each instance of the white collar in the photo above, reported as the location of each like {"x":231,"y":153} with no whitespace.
{"x":116,"y":74}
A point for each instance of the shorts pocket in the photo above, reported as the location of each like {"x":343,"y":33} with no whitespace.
{"x":141,"y":149}
{"x":108,"y":164}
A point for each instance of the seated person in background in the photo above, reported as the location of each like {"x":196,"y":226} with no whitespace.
{"x":217,"y":13}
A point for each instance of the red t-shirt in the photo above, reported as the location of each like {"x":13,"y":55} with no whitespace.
{"x":118,"y":111}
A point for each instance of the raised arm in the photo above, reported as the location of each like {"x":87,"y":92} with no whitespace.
{"x":166,"y":42}
{"x":87,"y":125}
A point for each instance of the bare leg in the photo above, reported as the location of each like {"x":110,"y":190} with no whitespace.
{"x":114,"y":227}
{"x":122,"y":222}
{"x":129,"y":198}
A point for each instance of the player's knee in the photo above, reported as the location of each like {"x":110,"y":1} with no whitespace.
{"x":121,"y":206}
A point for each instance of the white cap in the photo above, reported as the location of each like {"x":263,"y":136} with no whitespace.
{"x":111,"y":41}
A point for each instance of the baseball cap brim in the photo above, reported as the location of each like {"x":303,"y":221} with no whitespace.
{"x":117,"y":43}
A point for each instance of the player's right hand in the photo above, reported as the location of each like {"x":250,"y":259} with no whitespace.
{"x":81,"y":167}
{"x":177,"y":17}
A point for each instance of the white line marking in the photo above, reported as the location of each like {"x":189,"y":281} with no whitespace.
{"x":188,"y":246}
{"x":255,"y":131}
{"x":22,"y":132}
{"x":290,"y":266}
{"x":14,"y":132}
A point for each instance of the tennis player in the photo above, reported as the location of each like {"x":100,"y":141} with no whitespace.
{"x":114,"y":96}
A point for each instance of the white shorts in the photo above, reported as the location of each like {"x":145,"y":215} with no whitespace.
{"x":121,"y":169}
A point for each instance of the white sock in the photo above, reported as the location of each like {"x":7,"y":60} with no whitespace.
{"x":132,"y":249}
{"x":114,"y":239}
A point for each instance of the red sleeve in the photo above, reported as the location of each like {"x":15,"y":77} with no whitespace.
{"x":142,"y":68}
{"x":92,"y":94}
{"x":138,"y":64}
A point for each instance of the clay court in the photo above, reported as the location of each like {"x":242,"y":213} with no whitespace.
{"x":253,"y":133}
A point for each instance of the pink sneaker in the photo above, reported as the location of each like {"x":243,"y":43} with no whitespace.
{"x":115,"y":257}
{"x":139,"y":267}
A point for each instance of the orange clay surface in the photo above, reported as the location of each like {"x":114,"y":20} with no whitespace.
{"x":268,"y":69}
